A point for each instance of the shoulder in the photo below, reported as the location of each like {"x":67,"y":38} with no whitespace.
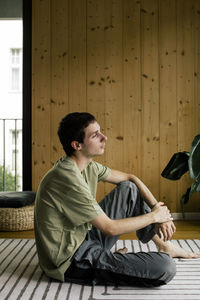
{"x":95,"y":166}
{"x":100,"y":170}
{"x":63,"y":173}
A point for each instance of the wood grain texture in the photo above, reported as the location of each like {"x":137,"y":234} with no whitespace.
{"x":96,"y":69}
{"x":184,"y":230}
{"x":132,"y":112}
{"x":114,"y":119}
{"x":41,"y":83}
{"x":187,"y":128}
{"x":150,"y":95}
{"x":167,"y":94}
{"x":135,"y":65}
{"x":77,"y":55}
{"x":59,"y":92}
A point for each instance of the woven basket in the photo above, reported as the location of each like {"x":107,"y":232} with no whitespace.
{"x":16,"y":219}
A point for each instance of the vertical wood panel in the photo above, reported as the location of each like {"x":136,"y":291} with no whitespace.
{"x":95,"y":60}
{"x":132,"y":88}
{"x":113,"y":84}
{"x":77,"y":55}
{"x":196,"y":205}
{"x":96,"y":69}
{"x":41,"y":89}
{"x":59,"y":73}
{"x":185,"y":83}
{"x":150,"y":97}
{"x":197,"y":65}
{"x":135,"y":65}
{"x":168,"y":103}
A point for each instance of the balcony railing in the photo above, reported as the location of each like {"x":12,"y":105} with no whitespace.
{"x":10,"y":154}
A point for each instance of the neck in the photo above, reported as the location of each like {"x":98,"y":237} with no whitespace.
{"x":82,"y":162}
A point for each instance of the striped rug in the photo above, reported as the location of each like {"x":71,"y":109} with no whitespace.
{"x":22,"y":278}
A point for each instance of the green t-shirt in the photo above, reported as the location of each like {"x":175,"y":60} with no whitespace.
{"x":64,"y":206}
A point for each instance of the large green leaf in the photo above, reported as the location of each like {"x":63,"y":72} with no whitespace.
{"x":194,"y":188}
{"x":194,"y":159}
{"x":186,"y":196}
{"x":177,"y":166}
{"x":180,"y":163}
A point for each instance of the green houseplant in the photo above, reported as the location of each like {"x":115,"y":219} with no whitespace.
{"x":182,"y":162}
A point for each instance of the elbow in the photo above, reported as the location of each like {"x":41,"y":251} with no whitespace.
{"x":106,"y":225}
{"x":110,"y":230}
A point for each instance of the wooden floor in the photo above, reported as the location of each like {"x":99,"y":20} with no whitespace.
{"x":184,"y":230}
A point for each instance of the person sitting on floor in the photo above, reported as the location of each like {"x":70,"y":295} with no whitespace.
{"x":74,"y":234}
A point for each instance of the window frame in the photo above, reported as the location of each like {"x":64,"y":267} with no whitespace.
{"x":27,"y":96}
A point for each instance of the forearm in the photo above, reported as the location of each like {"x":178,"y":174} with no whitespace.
{"x":159,"y":214}
{"x":165,"y":229}
{"x":144,"y":191}
{"x":117,"y":176}
{"x":127,"y":225}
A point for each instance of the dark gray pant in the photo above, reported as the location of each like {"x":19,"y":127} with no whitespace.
{"x":94,"y":263}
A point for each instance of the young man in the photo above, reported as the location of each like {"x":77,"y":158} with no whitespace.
{"x":74,"y":234}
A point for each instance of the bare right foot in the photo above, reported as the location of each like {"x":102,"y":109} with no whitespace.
{"x":177,"y":251}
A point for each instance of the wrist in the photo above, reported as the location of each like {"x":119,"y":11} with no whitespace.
{"x":153,"y":217}
{"x":154,"y":204}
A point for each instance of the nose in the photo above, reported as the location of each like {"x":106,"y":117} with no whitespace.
{"x":103,"y":137}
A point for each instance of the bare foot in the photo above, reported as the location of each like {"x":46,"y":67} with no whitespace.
{"x":122,"y":251}
{"x":176,"y":251}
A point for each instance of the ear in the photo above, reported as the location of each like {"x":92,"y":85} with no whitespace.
{"x":76,"y":145}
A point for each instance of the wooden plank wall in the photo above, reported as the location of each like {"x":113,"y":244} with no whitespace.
{"x":136,"y":66}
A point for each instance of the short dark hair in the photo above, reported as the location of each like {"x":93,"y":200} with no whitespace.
{"x":71,"y":128}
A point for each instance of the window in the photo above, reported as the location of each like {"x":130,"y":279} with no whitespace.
{"x":15,"y":159}
{"x":16,"y":69}
{"x":15,"y":136}
{"x":14,"y":156}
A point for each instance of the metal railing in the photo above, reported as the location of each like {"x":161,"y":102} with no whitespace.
{"x":10,"y":154}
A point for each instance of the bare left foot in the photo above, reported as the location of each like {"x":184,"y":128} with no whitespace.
{"x":122,"y":251}
{"x":177,"y":251}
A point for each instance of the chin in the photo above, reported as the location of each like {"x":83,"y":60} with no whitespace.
{"x":102,"y":152}
{"x":99,"y":153}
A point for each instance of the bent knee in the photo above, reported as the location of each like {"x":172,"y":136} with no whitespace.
{"x":127,"y":184}
{"x":168,"y":268}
